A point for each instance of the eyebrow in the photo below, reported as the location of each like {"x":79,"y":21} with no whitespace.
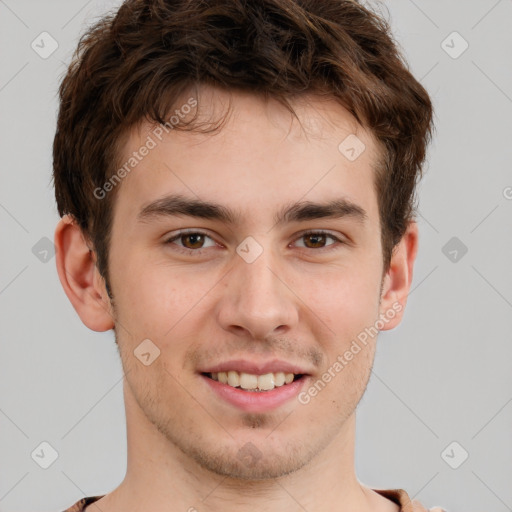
{"x":178,"y":205}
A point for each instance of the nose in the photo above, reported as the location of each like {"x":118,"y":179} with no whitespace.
{"x":256,"y":300}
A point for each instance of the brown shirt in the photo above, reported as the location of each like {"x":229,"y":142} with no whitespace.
{"x":398,"y":496}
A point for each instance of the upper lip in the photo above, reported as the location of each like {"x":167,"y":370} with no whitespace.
{"x":255,"y":368}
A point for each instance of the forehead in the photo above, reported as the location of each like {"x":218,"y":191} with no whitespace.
{"x":259,"y":157}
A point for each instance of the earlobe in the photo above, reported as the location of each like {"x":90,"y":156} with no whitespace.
{"x":398,"y":279}
{"x":80,"y":278}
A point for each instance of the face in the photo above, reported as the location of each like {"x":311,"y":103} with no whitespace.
{"x":257,"y":280}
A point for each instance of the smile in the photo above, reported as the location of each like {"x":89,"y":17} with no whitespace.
{"x":251,"y":382}
{"x":242,"y":390}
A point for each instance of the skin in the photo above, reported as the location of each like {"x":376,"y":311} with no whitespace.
{"x":301,"y":301}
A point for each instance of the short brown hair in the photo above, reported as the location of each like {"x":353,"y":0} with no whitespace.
{"x":131,"y":66}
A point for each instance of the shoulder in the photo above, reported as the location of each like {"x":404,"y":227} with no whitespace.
{"x":80,"y":505}
{"x":400,"y":497}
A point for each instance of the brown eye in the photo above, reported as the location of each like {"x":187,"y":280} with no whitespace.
{"x":319,"y":240}
{"x":192,"y":240}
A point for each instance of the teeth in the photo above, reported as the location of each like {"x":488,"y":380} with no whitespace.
{"x":248,"y":381}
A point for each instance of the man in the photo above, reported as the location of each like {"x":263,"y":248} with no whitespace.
{"x":236,"y":182}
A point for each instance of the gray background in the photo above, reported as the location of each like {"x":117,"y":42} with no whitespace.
{"x":442,"y":376}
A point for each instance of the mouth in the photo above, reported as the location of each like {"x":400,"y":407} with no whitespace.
{"x":255,"y":386}
{"x":253,"y":393}
{"x":252,"y":382}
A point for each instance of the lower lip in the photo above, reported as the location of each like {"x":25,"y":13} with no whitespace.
{"x":254,"y":401}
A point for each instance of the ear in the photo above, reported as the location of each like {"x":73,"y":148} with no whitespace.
{"x":398,"y":278}
{"x":79,"y":276}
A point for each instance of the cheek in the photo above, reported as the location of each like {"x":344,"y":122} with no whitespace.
{"x":348,"y":303}
{"x":340,"y":387}
{"x":159,"y":301}
{"x":346,"y":299}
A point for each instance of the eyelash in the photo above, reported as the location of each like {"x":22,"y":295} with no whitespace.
{"x":186,"y":250}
